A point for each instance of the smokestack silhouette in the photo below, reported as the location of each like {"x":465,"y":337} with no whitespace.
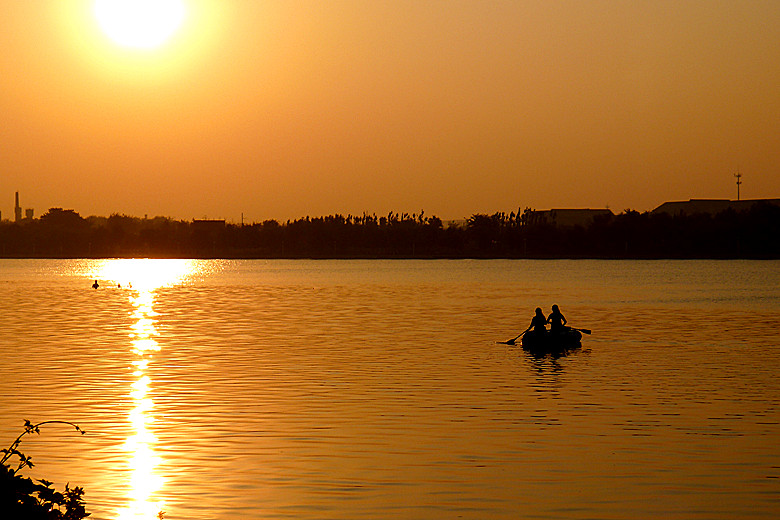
{"x":17,"y":209}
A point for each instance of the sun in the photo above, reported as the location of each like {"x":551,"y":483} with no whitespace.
{"x":140,"y":24}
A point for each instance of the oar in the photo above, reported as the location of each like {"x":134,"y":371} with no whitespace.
{"x":584,"y":331}
{"x":512,"y":341}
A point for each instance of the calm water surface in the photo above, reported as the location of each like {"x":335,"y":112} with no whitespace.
{"x":376,"y":389}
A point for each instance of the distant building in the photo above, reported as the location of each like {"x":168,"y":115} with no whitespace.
{"x":564,"y":217}
{"x":28,"y":213}
{"x":207,"y":225}
{"x":709,"y":206}
{"x":208,"y":234}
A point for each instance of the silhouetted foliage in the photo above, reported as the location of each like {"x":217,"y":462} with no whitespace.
{"x":28,"y":499}
{"x":522,"y":234}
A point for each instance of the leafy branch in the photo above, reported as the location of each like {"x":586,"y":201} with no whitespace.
{"x":29,"y":427}
{"x":21,"y":497}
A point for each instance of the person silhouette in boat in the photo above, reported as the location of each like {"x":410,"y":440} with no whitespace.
{"x":557,"y":321}
{"x":95,"y":285}
{"x":538,"y":323}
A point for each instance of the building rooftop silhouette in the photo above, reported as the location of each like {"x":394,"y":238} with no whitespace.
{"x":710,"y":206}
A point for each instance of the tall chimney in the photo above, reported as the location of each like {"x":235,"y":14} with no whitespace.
{"x":17,"y":209}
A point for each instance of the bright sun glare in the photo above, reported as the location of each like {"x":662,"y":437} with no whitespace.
{"x":140,"y":24}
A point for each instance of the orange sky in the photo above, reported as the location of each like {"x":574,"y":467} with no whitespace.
{"x":281,"y":109}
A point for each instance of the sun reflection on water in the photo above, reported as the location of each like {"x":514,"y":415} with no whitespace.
{"x":142,"y":278}
{"x":146,"y":275}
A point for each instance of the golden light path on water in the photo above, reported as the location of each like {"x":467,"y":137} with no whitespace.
{"x":142,"y":278}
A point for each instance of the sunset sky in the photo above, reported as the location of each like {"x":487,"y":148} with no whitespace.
{"x":281,"y":109}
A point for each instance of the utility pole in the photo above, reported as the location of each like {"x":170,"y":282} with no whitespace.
{"x":739,"y":181}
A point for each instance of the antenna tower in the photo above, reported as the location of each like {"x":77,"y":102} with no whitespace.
{"x":739,"y":181}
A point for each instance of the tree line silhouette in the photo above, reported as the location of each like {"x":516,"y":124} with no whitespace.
{"x":63,"y":233}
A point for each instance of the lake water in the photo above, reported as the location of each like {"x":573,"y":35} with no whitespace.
{"x":375,"y":389}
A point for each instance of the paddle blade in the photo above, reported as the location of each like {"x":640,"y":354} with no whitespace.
{"x":584,"y":331}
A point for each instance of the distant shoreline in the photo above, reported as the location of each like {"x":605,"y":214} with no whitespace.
{"x":730,"y":234}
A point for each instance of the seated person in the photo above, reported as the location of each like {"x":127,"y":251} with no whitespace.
{"x":556,"y":320}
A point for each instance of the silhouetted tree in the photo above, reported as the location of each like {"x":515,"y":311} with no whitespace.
{"x":525,"y":233}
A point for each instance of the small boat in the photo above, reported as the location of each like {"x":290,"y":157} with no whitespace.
{"x":552,"y":341}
